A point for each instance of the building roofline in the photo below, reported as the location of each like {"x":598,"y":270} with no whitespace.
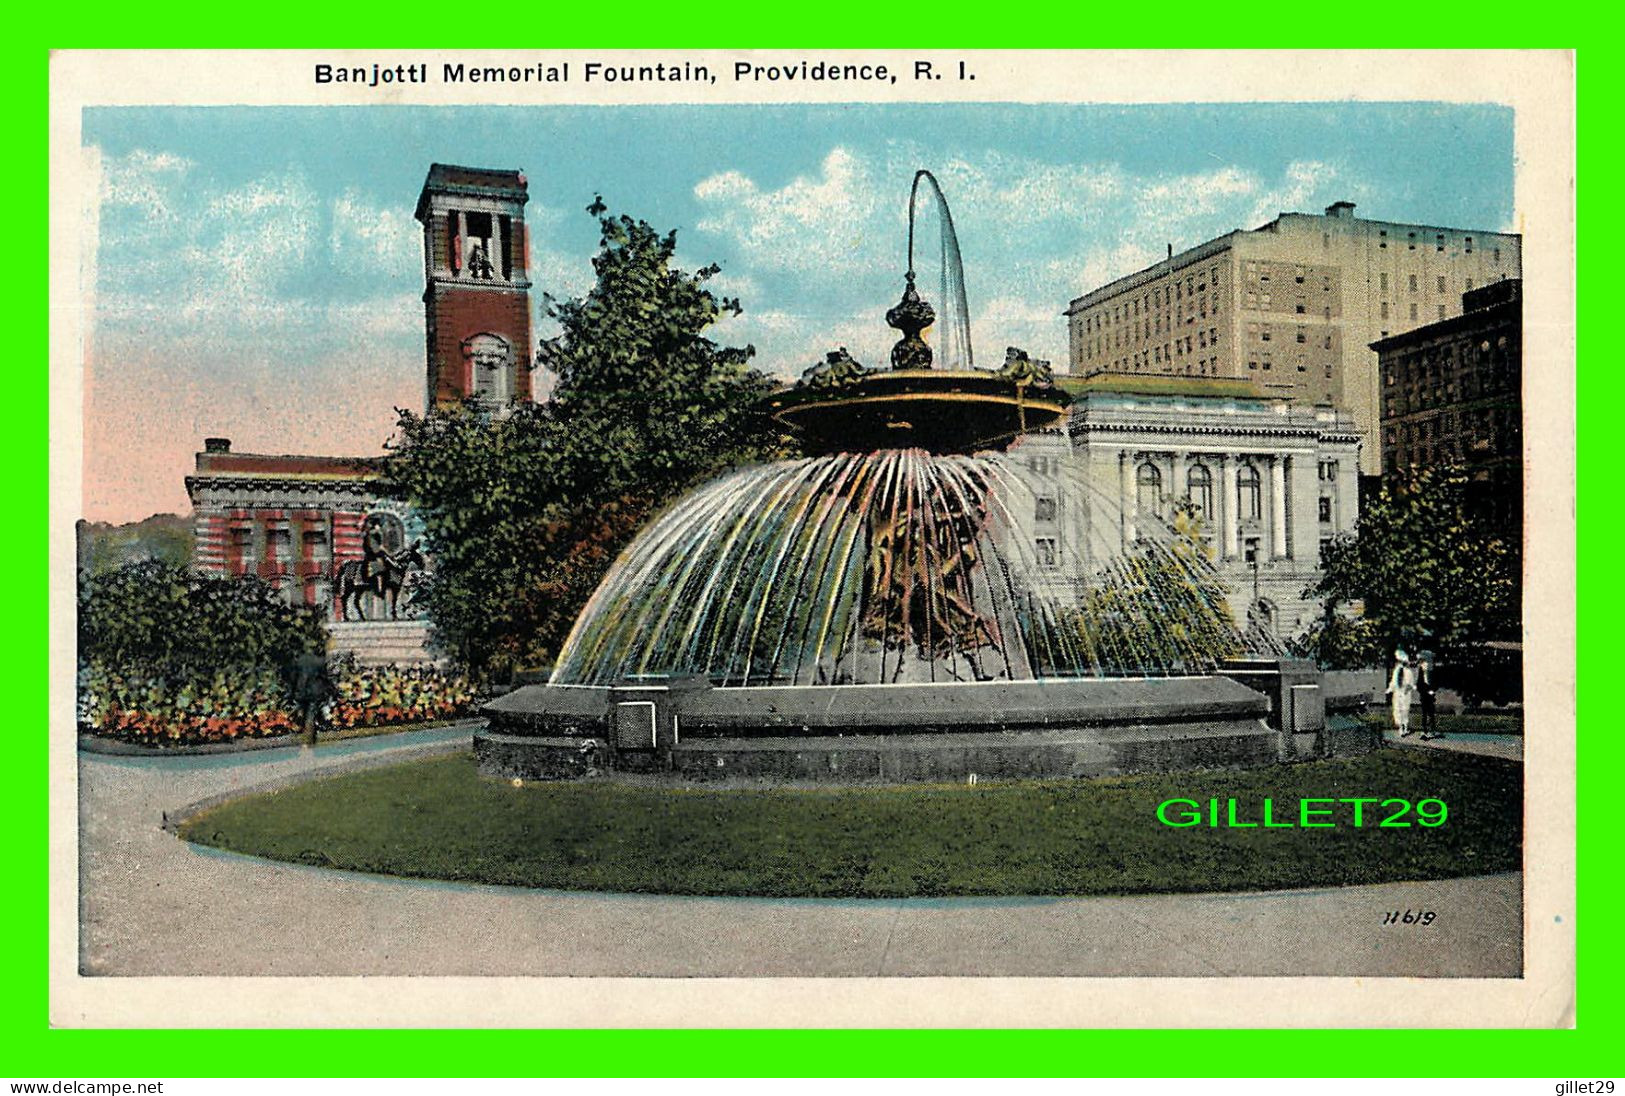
{"x":1450,"y":325}
{"x":1188,"y":257}
{"x":1220,"y":243}
{"x":509,"y":183}
{"x":1173,"y":386}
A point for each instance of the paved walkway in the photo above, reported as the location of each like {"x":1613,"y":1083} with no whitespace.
{"x":1509,"y":746}
{"x":154,"y":905}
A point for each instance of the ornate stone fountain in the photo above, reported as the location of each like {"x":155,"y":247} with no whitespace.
{"x":880,"y":609}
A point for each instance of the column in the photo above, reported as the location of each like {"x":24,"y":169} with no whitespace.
{"x":460,"y":263}
{"x":1227,"y":507}
{"x":1278,"y":507}
{"x":496,"y":246}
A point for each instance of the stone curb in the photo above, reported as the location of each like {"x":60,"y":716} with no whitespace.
{"x":172,"y":820}
{"x":112,"y":747}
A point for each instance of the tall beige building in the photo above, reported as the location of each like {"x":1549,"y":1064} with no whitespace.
{"x":1293,"y":306}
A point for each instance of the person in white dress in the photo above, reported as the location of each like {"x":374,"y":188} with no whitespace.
{"x":1402,"y":691}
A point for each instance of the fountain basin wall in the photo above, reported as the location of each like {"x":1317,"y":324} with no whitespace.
{"x":888,"y":733}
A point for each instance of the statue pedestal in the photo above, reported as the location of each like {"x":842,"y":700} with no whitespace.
{"x":380,"y":642}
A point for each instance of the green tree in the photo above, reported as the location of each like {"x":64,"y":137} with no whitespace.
{"x":1160,"y":607}
{"x":166,"y":537}
{"x":524,"y":513}
{"x":1425,"y":568}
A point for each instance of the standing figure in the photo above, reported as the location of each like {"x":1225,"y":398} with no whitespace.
{"x":1401,"y":691}
{"x":1427,"y":691}
{"x":311,"y":689}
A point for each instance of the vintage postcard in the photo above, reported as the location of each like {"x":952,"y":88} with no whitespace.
{"x":803,"y":538}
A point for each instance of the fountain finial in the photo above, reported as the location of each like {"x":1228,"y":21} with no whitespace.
{"x":911,"y":315}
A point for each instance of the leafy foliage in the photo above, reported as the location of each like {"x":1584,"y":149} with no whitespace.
{"x":1159,"y":608}
{"x":379,"y":696}
{"x":524,"y":513}
{"x":1428,"y":570}
{"x":162,"y":615}
{"x":174,"y":705}
{"x":183,"y":705}
{"x":170,"y":655}
{"x":165,"y":537}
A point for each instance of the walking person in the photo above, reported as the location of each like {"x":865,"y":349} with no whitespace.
{"x":1427,"y":692}
{"x":1401,"y":691}
{"x":311,"y":689}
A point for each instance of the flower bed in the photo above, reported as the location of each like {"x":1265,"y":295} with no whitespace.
{"x":381,"y":696}
{"x":153,"y":707}
{"x":176,"y":707}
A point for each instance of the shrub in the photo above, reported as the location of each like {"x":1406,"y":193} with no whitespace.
{"x":184,"y":624}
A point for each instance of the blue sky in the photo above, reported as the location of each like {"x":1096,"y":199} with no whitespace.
{"x":258,"y":271}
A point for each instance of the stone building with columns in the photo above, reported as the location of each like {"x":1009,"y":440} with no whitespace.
{"x":1271,"y":481}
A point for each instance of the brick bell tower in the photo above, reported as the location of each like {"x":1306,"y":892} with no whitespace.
{"x":476,"y":295}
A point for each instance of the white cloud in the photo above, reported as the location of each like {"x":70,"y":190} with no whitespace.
{"x":822,"y":221}
{"x":820,"y":255}
{"x":143,"y":181}
{"x":364,"y":232}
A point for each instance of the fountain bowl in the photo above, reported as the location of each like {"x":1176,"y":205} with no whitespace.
{"x":934,"y":732}
{"x":940,"y":411}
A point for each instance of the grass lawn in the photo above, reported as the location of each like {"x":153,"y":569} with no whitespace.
{"x":439,"y":818}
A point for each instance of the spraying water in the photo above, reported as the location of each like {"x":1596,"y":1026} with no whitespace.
{"x":899,"y":566}
{"x":918,"y":561}
{"x":953,"y":349}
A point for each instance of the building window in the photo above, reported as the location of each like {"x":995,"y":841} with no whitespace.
{"x":1469,"y":283}
{"x":1441,"y":312}
{"x":1413,"y":283}
{"x":315,"y":538}
{"x":1413,"y":311}
{"x":1264,"y":334}
{"x":1383,"y":311}
{"x":1044,"y":508}
{"x":1441,"y":283}
{"x":1325,"y":509}
{"x":1328,"y":342}
{"x":1469,"y":245}
{"x":1412,"y":238}
{"x":1302,"y":337}
{"x":1249,"y":498}
{"x":1382,"y":282}
{"x":1383,"y":239}
{"x":1495,"y":255}
{"x":1200,"y":489}
{"x":278,"y":542}
{"x":1044,"y":549}
{"x":1148,"y":489}
{"x":1301,"y":308}
{"x":1439,"y":243}
{"x":1249,"y":551}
